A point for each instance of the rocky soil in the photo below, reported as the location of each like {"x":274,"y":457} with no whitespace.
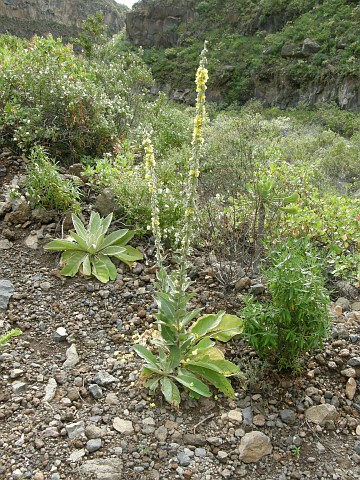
{"x":71,"y":405}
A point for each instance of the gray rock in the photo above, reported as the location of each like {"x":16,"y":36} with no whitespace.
{"x":72,"y":358}
{"x":235,"y":416}
{"x":6,"y":290}
{"x":161,"y":433}
{"x":92,"y":432}
{"x":21,"y":212}
{"x":50,"y":390}
{"x":93,"y":445}
{"x":95,"y":391}
{"x":75,"y":430}
{"x":344,"y":303}
{"x":102,"y":469}
{"x":243,"y":284}
{"x":123,"y":426}
{"x":106,"y":202}
{"x":43,"y":215}
{"x":183,"y":459}
{"x":51,"y":432}
{"x":257,"y":289}
{"x":320,"y":414}
{"x":148,"y":425}
{"x":254,"y":446}
{"x":5,"y":207}
{"x":354,"y":362}
{"x":200,"y":452}
{"x":194,"y":439}
{"x":18,"y":387}
{"x":355,"y":306}
{"x":5,"y":244}
{"x":104,"y":378}
{"x":310,"y":47}
{"x":291,"y":51}
{"x":247,"y":415}
{"x":288,"y":416}
{"x":77,"y":455}
{"x":60,"y":335}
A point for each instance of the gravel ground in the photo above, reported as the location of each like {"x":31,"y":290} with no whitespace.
{"x":71,"y":405}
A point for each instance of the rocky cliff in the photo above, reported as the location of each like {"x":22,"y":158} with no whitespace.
{"x":282,"y":52}
{"x":60,"y":17}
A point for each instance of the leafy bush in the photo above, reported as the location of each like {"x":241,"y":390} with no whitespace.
{"x":47,"y":187}
{"x":90,"y":249}
{"x":296,"y":318}
{"x":71,"y":105}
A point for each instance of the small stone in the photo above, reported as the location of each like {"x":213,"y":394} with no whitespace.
{"x":184,"y":460}
{"x":50,"y":390}
{"x":93,"y":445}
{"x":18,"y":387}
{"x":46,"y":286}
{"x":243,"y":284}
{"x":15,"y":373}
{"x":77,"y":455}
{"x":6,"y":290}
{"x":148,"y":425}
{"x":354,"y":362}
{"x":105,"y":468}
{"x":38,"y":476}
{"x":95,"y":391}
{"x":161,"y":433}
{"x":72,"y":358}
{"x":104,"y":379}
{"x":200,"y":452}
{"x":288,"y":416}
{"x":51,"y":432}
{"x":253,"y":446}
{"x":320,"y":414}
{"x":194,"y":439}
{"x":257,"y":289}
{"x":259,"y":420}
{"x":350,"y":388}
{"x":123,"y":426}
{"x":235,"y":416}
{"x":60,"y":335}
{"x":17,"y":474}
{"x":112,"y":399}
{"x":73,"y":394}
{"x":349,"y":372}
{"x":5,"y":244}
{"x":92,"y":432}
{"x":358,"y":430}
{"x":355,"y":306}
{"x":222,"y":456}
{"x":343,"y":303}
{"x":75,"y":430}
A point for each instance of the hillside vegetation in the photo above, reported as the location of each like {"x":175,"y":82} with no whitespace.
{"x":305,"y":49}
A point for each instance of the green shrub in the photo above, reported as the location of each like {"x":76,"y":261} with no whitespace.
{"x":47,"y":187}
{"x":295,"y":320}
{"x":69,"y":104}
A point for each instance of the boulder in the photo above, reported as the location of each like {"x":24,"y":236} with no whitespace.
{"x":309,"y":47}
{"x":320,"y":414}
{"x":253,"y":446}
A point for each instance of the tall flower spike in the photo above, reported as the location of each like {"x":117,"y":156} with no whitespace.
{"x":150,"y":165}
{"x":201,"y":79}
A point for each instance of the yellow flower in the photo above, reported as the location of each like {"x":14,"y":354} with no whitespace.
{"x":202,"y":76}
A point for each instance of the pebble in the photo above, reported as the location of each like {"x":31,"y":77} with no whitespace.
{"x":95,"y":391}
{"x":123,"y":426}
{"x":75,"y":430}
{"x":104,"y":379}
{"x":72,"y":357}
{"x":350,"y":388}
{"x":60,"y":334}
{"x":50,"y":390}
{"x":288,"y":416}
{"x":235,"y":416}
{"x":93,"y":445}
{"x":18,"y":387}
{"x":184,"y":460}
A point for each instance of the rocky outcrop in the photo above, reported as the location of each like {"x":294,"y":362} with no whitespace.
{"x":60,"y":17}
{"x":283,"y":92}
{"x":152,"y":24}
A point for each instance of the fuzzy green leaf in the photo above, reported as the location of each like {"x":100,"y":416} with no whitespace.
{"x":79,"y":227}
{"x":214,"y":378}
{"x":206,"y":323}
{"x":72,"y":261}
{"x":149,"y":357}
{"x":190,"y":381}
{"x":229,"y":326}
{"x":170,"y":392}
{"x":62,"y":245}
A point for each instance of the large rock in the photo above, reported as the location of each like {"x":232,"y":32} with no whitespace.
{"x":254,"y":446}
{"x":21,"y":212}
{"x":102,"y":469}
{"x":106,"y":203}
{"x":309,"y":47}
{"x":156,"y":24}
{"x":291,"y":51}
{"x":6,"y":290}
{"x":66,"y":16}
{"x":320,"y":414}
